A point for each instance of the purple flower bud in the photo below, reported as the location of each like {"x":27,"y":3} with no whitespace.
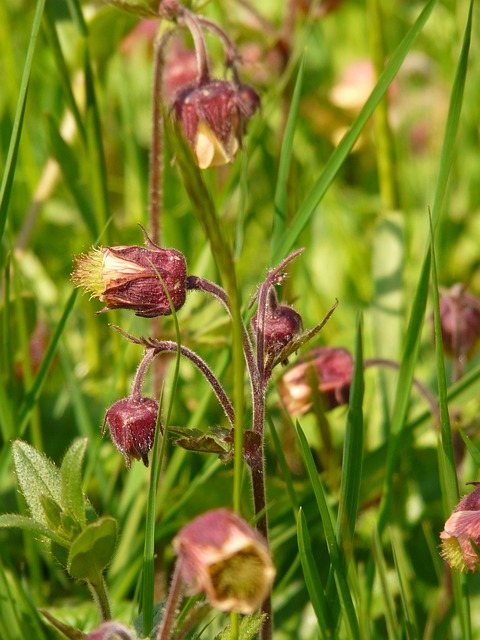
{"x":127,"y":278}
{"x":328,"y":368}
{"x":222,"y":556}
{"x":213,"y":117}
{"x":110,"y":631}
{"x":460,"y":321}
{"x":463,"y":526}
{"x":132,"y":422}
{"x":282,"y":324}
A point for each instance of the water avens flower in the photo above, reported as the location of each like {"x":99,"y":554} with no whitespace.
{"x":132,"y":422}
{"x":222,"y":556}
{"x":127,"y":277}
{"x":329,"y":369}
{"x":460,"y":529}
{"x":213,"y":115}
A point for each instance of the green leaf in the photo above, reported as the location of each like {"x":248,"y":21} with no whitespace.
{"x":65,"y":629}
{"x":92,"y":550}
{"x":312,"y":578}
{"x":145,"y":8}
{"x":336,"y":554}
{"x":37,"y":476}
{"x":11,"y":161}
{"x":215,"y":440}
{"x":73,"y":499}
{"x":8,"y":520}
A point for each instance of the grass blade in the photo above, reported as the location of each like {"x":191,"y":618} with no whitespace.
{"x":312,"y":578}
{"x":9,"y":171}
{"x":338,"y":157}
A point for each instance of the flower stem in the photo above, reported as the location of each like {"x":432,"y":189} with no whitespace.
{"x":193,"y":26}
{"x":100,"y":595}
{"x":166,"y":629}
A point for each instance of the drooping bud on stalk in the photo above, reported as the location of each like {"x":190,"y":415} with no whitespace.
{"x":460,"y":320}
{"x":128,"y":278}
{"x":461,"y":528}
{"x":282,"y":324}
{"x":222,"y":556}
{"x":110,"y":631}
{"x":213,"y":115}
{"x":132,"y":422}
{"x":329,"y":369}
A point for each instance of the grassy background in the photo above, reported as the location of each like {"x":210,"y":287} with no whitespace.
{"x":75,"y":183}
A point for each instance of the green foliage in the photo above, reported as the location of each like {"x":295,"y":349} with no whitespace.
{"x":356,"y":496}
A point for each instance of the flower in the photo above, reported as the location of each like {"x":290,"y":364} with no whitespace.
{"x":213,"y":115}
{"x":460,"y":320}
{"x":328,"y":368}
{"x":462,"y":527}
{"x":110,"y":631}
{"x":132,"y":422}
{"x":221,"y":555}
{"x":131,"y":278}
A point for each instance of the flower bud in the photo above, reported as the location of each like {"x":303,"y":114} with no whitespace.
{"x":328,"y":368}
{"x":221,"y":555}
{"x":132,"y":422}
{"x":213,"y":117}
{"x":463,"y":526}
{"x":110,"y":631}
{"x":128,"y":278}
{"x":460,"y":321}
{"x":282,"y":324}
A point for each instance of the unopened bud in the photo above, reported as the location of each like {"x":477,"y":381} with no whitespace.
{"x":222,"y":556}
{"x":213,"y":117}
{"x":282,"y":324}
{"x":131,"y":278}
{"x":323,"y":370}
{"x":132,"y":422}
{"x":461,"y":528}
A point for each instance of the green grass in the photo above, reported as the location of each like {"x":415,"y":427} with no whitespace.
{"x":388,"y":217}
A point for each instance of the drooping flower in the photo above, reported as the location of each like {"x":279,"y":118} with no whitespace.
{"x":213,"y":115}
{"x":130,"y":277}
{"x":132,"y":422}
{"x":222,"y":556}
{"x":460,"y":320}
{"x":460,"y":529}
{"x":328,"y":369}
{"x":282,"y":324}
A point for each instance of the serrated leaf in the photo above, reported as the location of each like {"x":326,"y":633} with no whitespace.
{"x":73,"y":500}
{"x":10,"y":520}
{"x":303,"y":338}
{"x":37,"y":476}
{"x":92,"y":550}
{"x":215,"y":440}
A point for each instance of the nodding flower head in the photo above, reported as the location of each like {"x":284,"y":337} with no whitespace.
{"x":460,"y":320}
{"x":323,"y":370}
{"x":222,"y":556}
{"x":213,"y":115}
{"x":135,"y":278}
{"x":282,"y":324}
{"x":460,"y":530}
{"x":132,"y":422}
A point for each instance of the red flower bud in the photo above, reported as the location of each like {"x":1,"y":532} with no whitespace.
{"x":463,"y":526}
{"x":328,"y":368}
{"x":127,"y":278}
{"x":132,"y":422}
{"x":213,"y":117}
{"x":460,"y":321}
{"x":221,"y":555}
{"x":282,"y":324}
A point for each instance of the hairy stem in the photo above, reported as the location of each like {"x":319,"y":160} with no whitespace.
{"x":100,"y":595}
{"x":166,"y":629}
{"x":192,"y":23}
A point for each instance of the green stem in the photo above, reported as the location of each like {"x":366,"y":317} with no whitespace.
{"x":100,"y":595}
